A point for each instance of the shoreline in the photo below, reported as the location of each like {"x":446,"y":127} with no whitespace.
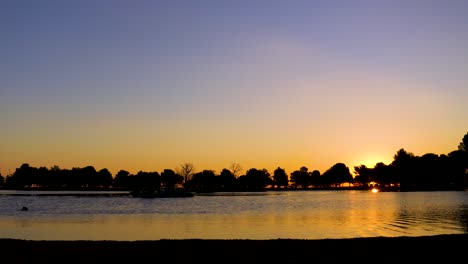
{"x":367,"y":249}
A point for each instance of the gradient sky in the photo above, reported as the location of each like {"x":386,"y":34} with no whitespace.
{"x":148,"y":85}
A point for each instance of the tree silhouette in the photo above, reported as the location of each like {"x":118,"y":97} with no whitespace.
{"x":73,"y":178}
{"x":384,"y":175}
{"x":315,"y":178}
{"x":227,"y":180}
{"x":42,"y":177}
{"x":170,"y":179}
{"x":2,"y":179}
{"x":337,"y":175}
{"x":404,"y":164}
{"x":186,"y":170}
{"x":87,"y":176}
{"x":104,"y":178}
{"x":255,"y":179}
{"x":22,"y":177}
{"x":56,"y":177}
{"x":280,"y":178}
{"x":428,"y":171}
{"x":204,"y":181}
{"x":122,"y":180}
{"x":464,"y":143}
{"x":363,"y":175}
{"x":147,"y":181}
{"x":464,"y":148}
{"x":300,"y":177}
{"x":235,"y":168}
{"x":458,"y":161}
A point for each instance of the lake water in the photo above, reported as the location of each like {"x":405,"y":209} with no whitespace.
{"x":264,"y":215}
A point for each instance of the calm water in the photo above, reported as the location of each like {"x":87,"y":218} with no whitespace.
{"x":269,"y":215}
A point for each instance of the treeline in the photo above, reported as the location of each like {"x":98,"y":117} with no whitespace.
{"x":406,"y":172}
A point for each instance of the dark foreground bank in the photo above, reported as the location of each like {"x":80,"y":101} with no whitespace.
{"x":446,"y":248}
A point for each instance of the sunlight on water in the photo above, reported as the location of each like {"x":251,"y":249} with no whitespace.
{"x":269,"y":215}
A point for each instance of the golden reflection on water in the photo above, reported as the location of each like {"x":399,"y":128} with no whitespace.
{"x":349,"y":215}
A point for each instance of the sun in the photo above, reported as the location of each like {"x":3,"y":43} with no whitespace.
{"x":371,"y":161}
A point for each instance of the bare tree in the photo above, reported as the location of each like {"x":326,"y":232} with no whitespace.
{"x":235,"y":168}
{"x":186,"y":170}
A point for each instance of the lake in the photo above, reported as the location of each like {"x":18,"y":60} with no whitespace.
{"x":244,"y":215}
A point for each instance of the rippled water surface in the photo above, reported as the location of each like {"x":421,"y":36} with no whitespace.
{"x":266,"y":215}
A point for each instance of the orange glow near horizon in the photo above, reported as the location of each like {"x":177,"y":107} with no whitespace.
{"x":372,"y":161}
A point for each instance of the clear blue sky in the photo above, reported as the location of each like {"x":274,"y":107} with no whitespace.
{"x":147,"y":85}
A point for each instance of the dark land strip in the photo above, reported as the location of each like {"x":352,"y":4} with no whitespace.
{"x":440,"y":248}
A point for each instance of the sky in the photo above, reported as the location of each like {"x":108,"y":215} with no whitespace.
{"x":149,"y":85}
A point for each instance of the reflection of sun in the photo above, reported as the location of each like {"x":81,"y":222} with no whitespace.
{"x":375,"y":190}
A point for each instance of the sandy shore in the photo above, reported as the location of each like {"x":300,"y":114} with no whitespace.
{"x":444,"y":248}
